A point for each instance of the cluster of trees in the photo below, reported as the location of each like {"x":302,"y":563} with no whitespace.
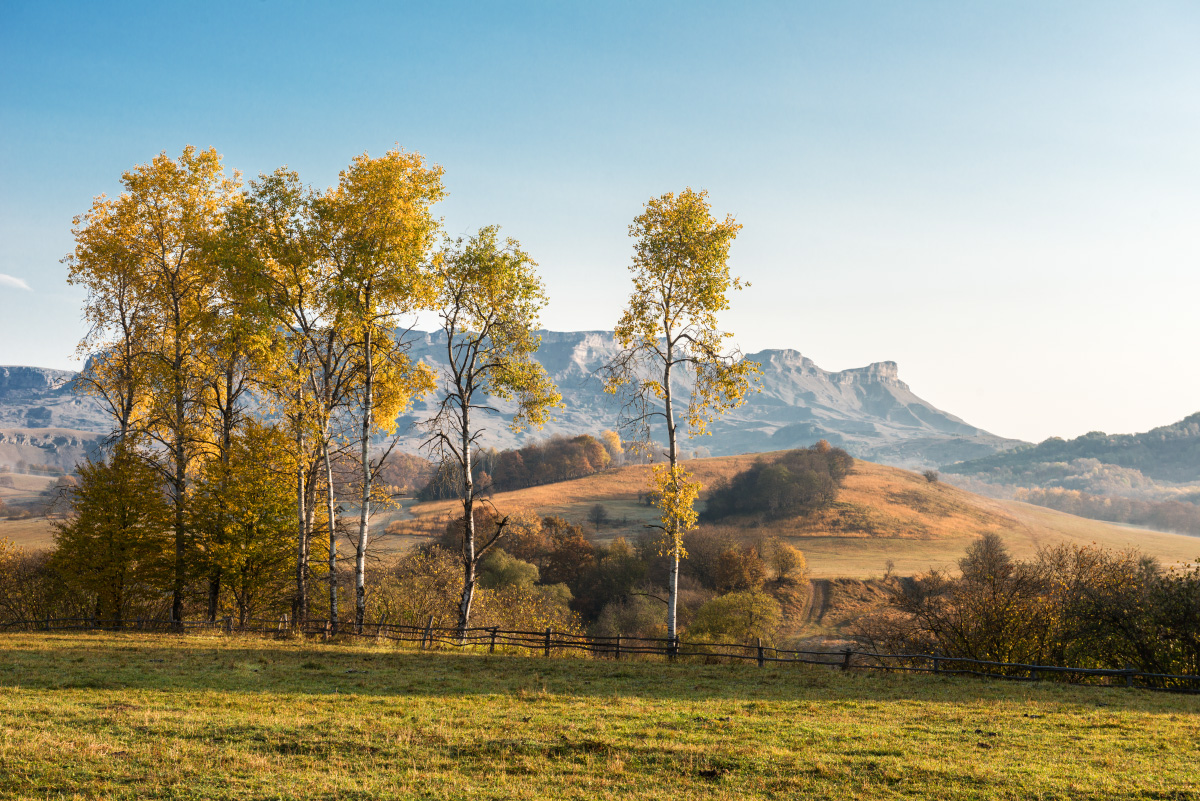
{"x":547,"y":564}
{"x":792,"y":483}
{"x":1071,"y":605}
{"x":244,"y":340}
{"x":1177,"y":516}
{"x":555,"y":459}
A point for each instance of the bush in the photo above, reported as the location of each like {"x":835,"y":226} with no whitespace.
{"x":1071,"y":606}
{"x":500,"y":570}
{"x":786,"y":561}
{"x":635,"y":616}
{"x":740,"y":617}
{"x":931,"y":476}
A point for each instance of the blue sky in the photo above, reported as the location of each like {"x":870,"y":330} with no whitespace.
{"x":1004,"y":198}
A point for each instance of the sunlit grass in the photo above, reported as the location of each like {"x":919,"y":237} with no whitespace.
{"x":126,"y":716}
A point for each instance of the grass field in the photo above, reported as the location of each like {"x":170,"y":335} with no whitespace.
{"x":138,"y":716}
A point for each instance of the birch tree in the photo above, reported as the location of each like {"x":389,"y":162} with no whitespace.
{"x":669,"y":332}
{"x":376,"y":230}
{"x":489,"y":302}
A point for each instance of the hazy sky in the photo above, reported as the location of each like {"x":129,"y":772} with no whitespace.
{"x":1004,"y":198}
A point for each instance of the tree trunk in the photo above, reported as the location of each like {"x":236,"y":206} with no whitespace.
{"x":179,"y":487}
{"x":673,"y":524}
{"x":364,"y":517}
{"x":301,"y":600}
{"x":468,"y":546}
{"x":331,"y":509}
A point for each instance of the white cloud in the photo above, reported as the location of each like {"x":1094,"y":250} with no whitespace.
{"x":13,"y":281}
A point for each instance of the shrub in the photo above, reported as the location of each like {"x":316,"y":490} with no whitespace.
{"x":786,"y":561}
{"x":500,"y":570}
{"x":635,"y":616}
{"x":737,"y":617}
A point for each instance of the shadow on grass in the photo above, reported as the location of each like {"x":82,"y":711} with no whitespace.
{"x":251,"y":665}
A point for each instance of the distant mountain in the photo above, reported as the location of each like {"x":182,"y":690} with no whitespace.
{"x":868,"y":411}
{"x":1097,"y":462}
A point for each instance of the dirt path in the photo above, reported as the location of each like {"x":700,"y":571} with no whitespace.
{"x":818,"y":601}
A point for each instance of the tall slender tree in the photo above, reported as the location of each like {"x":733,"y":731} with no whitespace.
{"x":669,"y":333}
{"x":490,"y":298}
{"x":376,"y":231}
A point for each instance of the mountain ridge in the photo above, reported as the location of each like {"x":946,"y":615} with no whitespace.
{"x":867,"y":410}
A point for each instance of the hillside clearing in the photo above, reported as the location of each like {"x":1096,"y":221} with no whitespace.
{"x":127,"y":716}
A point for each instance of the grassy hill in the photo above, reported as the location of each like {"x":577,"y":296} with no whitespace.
{"x":123,"y":716}
{"x":882,"y":513}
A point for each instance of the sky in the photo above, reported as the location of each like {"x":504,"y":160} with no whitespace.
{"x":1004,"y":198}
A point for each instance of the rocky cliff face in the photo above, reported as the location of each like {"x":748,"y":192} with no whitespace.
{"x":868,"y":410}
{"x":35,"y":397}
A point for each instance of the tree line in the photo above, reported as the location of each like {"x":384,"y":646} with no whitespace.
{"x":1176,"y":516}
{"x":1069,"y":606}
{"x":793,"y":482}
{"x":248,"y":342}
{"x":555,"y":459}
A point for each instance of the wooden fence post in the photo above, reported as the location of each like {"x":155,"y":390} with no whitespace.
{"x":228,"y":625}
{"x":760,"y":652}
{"x":492,"y":645}
{"x":937,"y":665}
{"x":846,"y":658}
{"x":1128,"y":675}
{"x":428,"y":635}
{"x":549,"y":634}
{"x":618,"y":650}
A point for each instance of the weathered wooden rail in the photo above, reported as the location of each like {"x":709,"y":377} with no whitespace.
{"x":550,"y":643}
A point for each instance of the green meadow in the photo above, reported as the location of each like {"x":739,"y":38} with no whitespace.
{"x":211,"y":717}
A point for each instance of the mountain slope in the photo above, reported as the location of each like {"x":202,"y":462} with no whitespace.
{"x":1168,"y":453}
{"x":868,"y":411}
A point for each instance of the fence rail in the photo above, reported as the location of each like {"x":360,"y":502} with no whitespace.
{"x":548,"y":643}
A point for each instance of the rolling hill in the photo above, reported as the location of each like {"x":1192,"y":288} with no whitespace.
{"x":883,"y":513}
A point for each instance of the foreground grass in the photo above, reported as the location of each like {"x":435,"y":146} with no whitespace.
{"x":129,"y":716}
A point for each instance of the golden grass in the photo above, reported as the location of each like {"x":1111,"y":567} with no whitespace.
{"x":34,"y":533}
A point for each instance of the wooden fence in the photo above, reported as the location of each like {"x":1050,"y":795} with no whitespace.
{"x":550,"y":643}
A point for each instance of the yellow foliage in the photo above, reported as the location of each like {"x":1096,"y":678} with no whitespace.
{"x":678,"y":492}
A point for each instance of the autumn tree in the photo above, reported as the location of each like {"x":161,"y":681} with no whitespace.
{"x":248,"y":495}
{"x":375,"y":231}
{"x":308,"y":375}
{"x":489,"y":302}
{"x":116,"y":545}
{"x":668,"y":333}
{"x":145,"y":259}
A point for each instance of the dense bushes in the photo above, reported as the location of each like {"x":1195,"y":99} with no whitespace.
{"x":794,"y":482}
{"x":1072,"y":605}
